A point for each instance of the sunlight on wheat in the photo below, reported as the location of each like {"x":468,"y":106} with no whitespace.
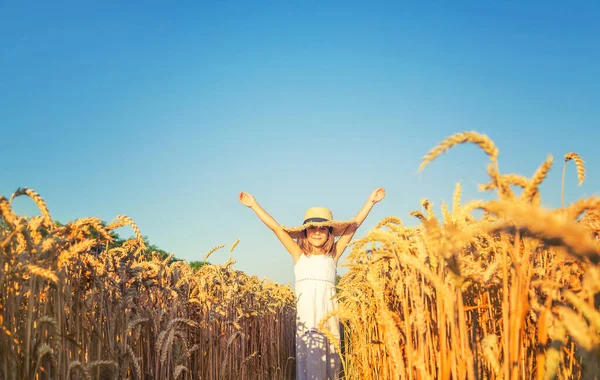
{"x":510,"y":293}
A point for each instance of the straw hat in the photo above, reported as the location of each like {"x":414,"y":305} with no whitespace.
{"x":319,"y":216}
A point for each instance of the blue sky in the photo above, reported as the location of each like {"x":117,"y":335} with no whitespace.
{"x":166,"y":112}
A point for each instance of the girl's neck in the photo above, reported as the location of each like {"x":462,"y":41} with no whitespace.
{"x":317,"y":251}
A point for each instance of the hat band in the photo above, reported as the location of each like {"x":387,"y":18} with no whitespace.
{"x":309,"y":220}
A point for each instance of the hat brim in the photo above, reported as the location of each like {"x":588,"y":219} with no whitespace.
{"x":339,"y":226}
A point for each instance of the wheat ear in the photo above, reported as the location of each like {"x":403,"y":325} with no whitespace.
{"x":532,"y":187}
{"x":481,"y":140}
{"x":579,"y":163}
{"x":127,"y":220}
{"x":6,"y":212}
{"x":212,"y":250}
{"x":580,"y":172}
{"x":38,"y":200}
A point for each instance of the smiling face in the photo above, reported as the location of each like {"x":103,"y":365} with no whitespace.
{"x":317,"y":236}
{"x":317,"y":241}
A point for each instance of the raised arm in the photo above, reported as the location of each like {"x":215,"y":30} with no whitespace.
{"x":340,"y":246}
{"x":287,"y":241}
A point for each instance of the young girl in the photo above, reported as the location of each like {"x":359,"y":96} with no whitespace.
{"x":316,"y":254}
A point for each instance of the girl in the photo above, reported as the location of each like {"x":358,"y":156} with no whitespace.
{"x":316,"y":254}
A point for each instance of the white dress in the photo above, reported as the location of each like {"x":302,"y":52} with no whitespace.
{"x":316,"y":357}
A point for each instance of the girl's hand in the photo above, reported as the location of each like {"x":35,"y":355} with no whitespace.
{"x":247,"y":199}
{"x":377,"y":195}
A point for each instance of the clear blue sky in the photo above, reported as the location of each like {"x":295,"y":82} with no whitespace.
{"x":166,"y":112}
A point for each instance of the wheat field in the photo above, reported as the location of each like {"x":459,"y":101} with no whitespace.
{"x":511,"y":294}
{"x":75,"y":308}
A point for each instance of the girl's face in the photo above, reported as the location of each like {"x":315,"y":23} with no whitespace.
{"x":317,"y":236}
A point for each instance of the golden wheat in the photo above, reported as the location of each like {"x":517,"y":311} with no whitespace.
{"x":481,"y":140}
{"x":499,"y":296}
{"x":509,"y":294}
{"x":579,"y":164}
{"x":72,"y":307}
{"x":38,"y":200}
{"x":580,"y":172}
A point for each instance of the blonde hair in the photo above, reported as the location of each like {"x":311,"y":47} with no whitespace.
{"x":307,"y":248}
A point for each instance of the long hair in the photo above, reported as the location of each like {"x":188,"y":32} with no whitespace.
{"x":308,"y":248}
